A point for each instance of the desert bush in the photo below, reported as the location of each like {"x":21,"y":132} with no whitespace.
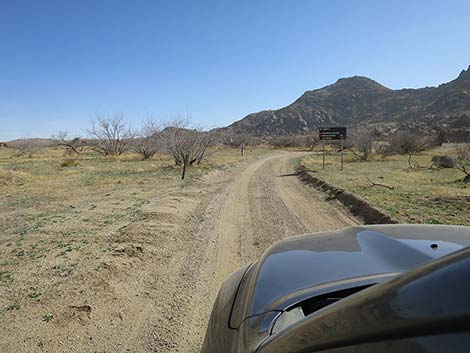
{"x":462,"y":161}
{"x":234,"y":140}
{"x":382,"y":150}
{"x":440,"y":136}
{"x":443,"y":161}
{"x":369,"y":144}
{"x":147,"y":144}
{"x":362,"y":145}
{"x":310,"y":141}
{"x":241,"y":141}
{"x":282,"y":141}
{"x":237,"y":141}
{"x":72,"y":145}
{"x":112,"y":134}
{"x":186,"y":145}
{"x":69,"y":162}
{"x":307,"y":141}
{"x":26,"y":148}
{"x":254,"y":141}
{"x":410,"y":144}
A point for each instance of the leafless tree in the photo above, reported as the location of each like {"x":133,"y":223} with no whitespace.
{"x":441,"y":136}
{"x":186,"y":145}
{"x":147,"y":143}
{"x":303,"y":141}
{"x":72,"y":145}
{"x":362,"y":143}
{"x":311,"y":141}
{"x":237,"y":141}
{"x":382,"y":149}
{"x":113,"y":135}
{"x":410,"y":144}
{"x":26,"y":148}
{"x":253,"y":141}
{"x":462,"y":161}
{"x":205,"y":140}
{"x":283,"y":141}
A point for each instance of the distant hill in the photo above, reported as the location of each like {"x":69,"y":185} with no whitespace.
{"x":357,"y":101}
{"x":40,"y":142}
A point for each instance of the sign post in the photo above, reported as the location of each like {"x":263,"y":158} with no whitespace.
{"x":342,"y":154}
{"x":333,"y":133}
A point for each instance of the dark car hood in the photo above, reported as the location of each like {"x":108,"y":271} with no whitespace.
{"x":298,"y":263}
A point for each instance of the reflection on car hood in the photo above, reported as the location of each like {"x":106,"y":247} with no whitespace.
{"x":311,"y":260}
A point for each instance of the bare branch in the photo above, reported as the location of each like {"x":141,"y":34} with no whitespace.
{"x":187,"y":146}
{"x":462,"y":160}
{"x":148,"y":142}
{"x":410,"y":144}
{"x":73,"y":145}
{"x":362,"y":145}
{"x":113,"y":135}
{"x":378,"y":184}
{"x":26,"y":148}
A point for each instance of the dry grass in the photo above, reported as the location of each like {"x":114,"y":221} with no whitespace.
{"x":58,"y":218}
{"x":51,"y":193}
{"x":419,"y":195}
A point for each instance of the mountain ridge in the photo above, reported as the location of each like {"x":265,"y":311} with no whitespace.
{"x":358,"y":100}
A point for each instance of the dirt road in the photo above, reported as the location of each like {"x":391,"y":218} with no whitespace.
{"x":258,"y":204}
{"x":148,"y":280}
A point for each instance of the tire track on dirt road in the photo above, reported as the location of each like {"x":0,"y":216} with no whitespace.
{"x":146,"y":281}
{"x":261,"y":203}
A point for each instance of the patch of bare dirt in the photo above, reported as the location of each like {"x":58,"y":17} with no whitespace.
{"x":152,"y":289}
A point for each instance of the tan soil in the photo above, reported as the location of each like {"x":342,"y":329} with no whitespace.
{"x":156,"y":296}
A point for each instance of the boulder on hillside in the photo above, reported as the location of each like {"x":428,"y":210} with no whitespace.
{"x":443,"y":161}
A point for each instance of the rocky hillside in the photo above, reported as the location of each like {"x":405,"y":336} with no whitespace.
{"x":357,"y":101}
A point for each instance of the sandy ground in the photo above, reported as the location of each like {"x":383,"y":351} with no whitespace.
{"x":157,"y":296}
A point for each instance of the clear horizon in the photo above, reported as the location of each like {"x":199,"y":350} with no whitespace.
{"x":65,"y":63}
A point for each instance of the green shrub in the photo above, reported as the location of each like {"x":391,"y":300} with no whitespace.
{"x":69,"y":162}
{"x":47,"y":317}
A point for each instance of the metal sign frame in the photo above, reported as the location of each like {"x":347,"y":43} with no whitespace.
{"x":333,"y":134}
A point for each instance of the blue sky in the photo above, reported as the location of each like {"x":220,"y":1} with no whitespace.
{"x":64,"y":62}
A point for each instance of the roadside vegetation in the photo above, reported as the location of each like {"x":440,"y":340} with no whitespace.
{"x":66,"y":216}
{"x":80,"y":216}
{"x":416,"y":182}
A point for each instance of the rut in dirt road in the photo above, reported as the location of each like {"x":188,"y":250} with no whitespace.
{"x":261,"y":203}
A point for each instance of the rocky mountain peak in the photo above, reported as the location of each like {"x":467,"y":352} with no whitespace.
{"x":465,"y":73}
{"x":355,"y":82}
{"x":359,"y":101}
